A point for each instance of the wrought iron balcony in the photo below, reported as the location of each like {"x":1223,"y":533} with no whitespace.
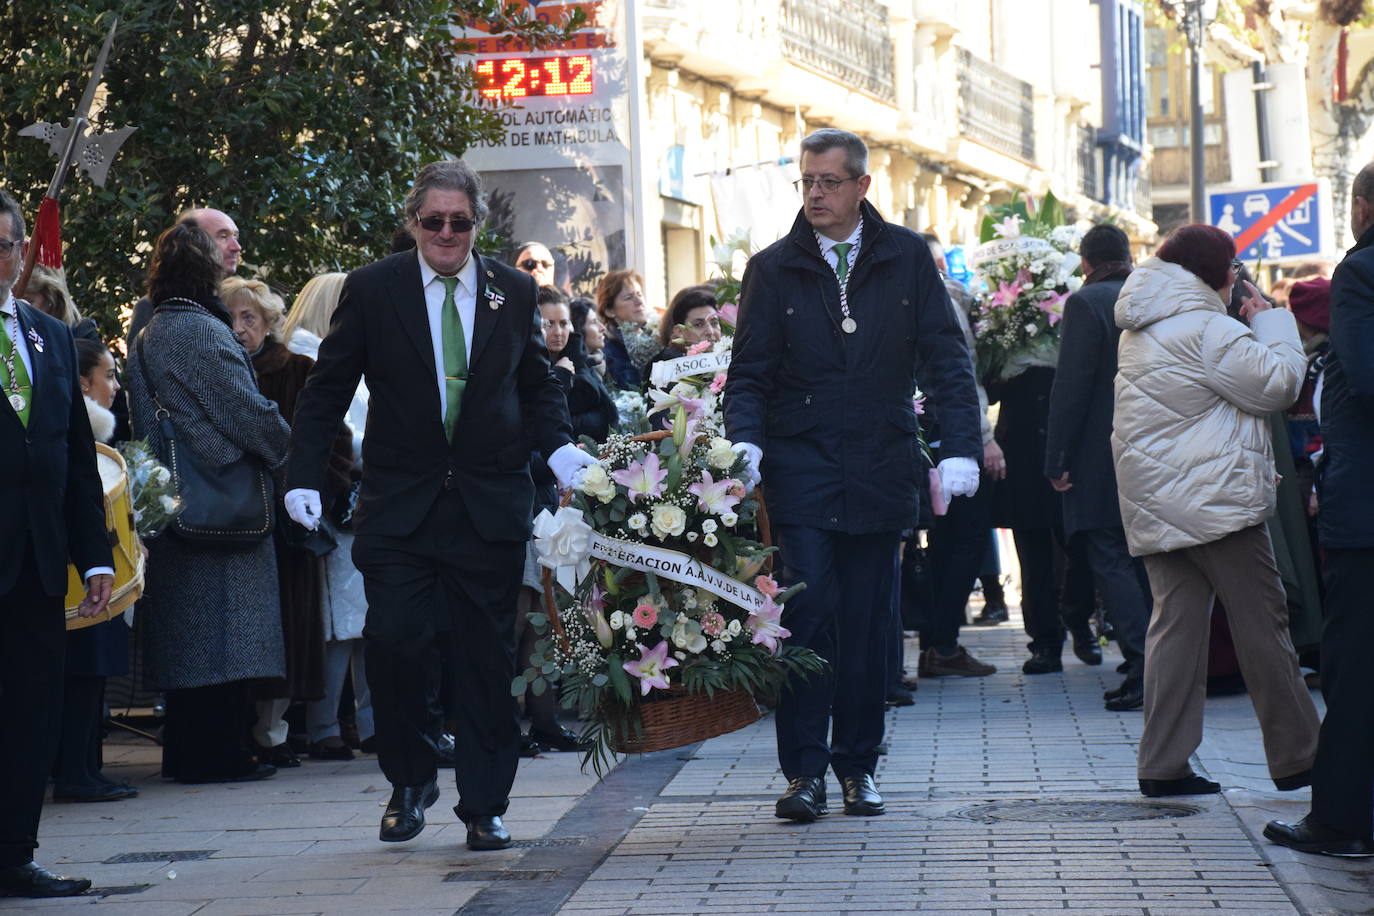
{"x":995,"y":108}
{"x":845,"y":39}
{"x":1088,"y":157}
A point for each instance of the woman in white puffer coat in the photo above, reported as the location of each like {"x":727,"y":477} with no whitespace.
{"x":1196,"y":480}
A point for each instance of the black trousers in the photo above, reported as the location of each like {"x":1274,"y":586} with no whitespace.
{"x":1125,"y":590}
{"x":958,"y":548}
{"x":845,"y":614}
{"x":442,"y":602}
{"x":1041,"y":557}
{"x":32,"y":655}
{"x":78,"y":750}
{"x":205,"y":732}
{"x":1343,"y":778}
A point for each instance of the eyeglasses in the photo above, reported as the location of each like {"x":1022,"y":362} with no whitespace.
{"x":1236,"y":265}
{"x":7,"y":246}
{"x":828,"y":185}
{"x":532,"y":264}
{"x":436,"y":223}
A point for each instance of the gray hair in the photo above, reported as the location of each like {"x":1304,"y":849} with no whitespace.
{"x":446,"y":175}
{"x":10,"y":206}
{"x":828,"y":138}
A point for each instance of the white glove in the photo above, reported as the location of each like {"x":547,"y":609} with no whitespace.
{"x":304,"y":507}
{"x":568,"y":463}
{"x":753,"y":460}
{"x":958,"y":477}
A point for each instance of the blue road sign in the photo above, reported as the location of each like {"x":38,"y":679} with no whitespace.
{"x":1275,"y":223}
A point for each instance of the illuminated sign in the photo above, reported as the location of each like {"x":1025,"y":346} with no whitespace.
{"x":523,"y":77}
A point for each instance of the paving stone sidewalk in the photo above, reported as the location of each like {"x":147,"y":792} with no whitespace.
{"x":692,"y":831}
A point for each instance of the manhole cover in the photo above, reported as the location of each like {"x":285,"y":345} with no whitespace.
{"x":1076,"y":811}
{"x":541,"y":874}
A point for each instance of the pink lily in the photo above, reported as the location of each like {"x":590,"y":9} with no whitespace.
{"x":652,"y":668}
{"x":729,"y":314}
{"x":714,"y":496}
{"x":642,"y":478}
{"x":767,"y":627}
{"x":1053,"y":307}
{"x":1007,"y":294}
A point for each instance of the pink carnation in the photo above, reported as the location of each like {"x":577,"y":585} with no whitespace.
{"x":768,"y":585}
{"x":701,"y":346}
{"x":712,"y":623}
{"x":645,"y":615}
{"x":718,"y":383}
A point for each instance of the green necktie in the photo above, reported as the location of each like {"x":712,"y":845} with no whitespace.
{"x":842,"y":260}
{"x":13,"y":357}
{"x":455,"y":356}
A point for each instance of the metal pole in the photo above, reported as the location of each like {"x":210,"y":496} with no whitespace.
{"x":1199,"y":162}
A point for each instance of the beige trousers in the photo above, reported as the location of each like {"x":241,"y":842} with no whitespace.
{"x":1240,"y":570}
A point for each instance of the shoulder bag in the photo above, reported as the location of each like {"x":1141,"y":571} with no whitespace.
{"x":229,"y":505}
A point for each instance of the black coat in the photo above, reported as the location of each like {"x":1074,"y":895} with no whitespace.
{"x":1024,"y":498}
{"x":50,"y":491}
{"x":590,"y":408}
{"x":380,"y":331}
{"x":1079,"y":439}
{"x":833,"y":411}
{"x":1346,"y":519}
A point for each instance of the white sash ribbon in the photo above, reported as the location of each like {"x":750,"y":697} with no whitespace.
{"x":998,"y":249}
{"x":565,"y":543}
{"x":665,"y":373}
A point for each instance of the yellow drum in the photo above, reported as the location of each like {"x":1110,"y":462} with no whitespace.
{"x":119,"y":526}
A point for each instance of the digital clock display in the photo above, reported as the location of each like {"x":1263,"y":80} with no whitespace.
{"x":524,"y":77}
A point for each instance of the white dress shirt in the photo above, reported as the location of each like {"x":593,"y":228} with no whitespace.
{"x":465,"y":296}
{"x":828,"y":247}
{"x":9,"y":314}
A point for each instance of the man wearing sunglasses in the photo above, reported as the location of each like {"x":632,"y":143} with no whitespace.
{"x":536,"y":260}
{"x":840,"y":322}
{"x":449,"y":345}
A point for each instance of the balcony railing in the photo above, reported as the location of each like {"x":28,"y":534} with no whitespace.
{"x":846,"y":39}
{"x":1088,"y":157}
{"x":995,"y":108}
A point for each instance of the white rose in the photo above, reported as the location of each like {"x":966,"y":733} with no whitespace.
{"x":597,"y":483}
{"x":717,"y":646}
{"x":159,"y":475}
{"x":728,"y":519}
{"x":722,"y":454}
{"x":734,"y":628}
{"x":708,"y":526}
{"x":668,"y":520}
{"x":617,"y":620}
{"x":629,"y":631}
{"x":710,"y":540}
{"x":684,"y":390}
{"x":637,"y":521}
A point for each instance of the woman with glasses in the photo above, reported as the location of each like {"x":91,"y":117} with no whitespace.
{"x":692,"y":317}
{"x":1196,"y":480}
{"x":536,"y":260}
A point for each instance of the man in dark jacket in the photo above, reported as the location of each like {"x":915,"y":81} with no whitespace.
{"x":52,"y":511}
{"x":1341,"y":822}
{"x":1078,"y":453}
{"x":837,"y":321}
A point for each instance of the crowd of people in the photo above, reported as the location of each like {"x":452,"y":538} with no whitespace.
{"x":388,"y":608}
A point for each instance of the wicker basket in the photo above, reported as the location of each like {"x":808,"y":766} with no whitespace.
{"x":683,"y":718}
{"x":679,"y":718}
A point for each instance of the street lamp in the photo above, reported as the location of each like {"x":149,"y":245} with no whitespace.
{"x":1196,"y":16}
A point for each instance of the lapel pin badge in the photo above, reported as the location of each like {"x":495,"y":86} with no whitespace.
{"x":495,"y":298}
{"x":36,"y":340}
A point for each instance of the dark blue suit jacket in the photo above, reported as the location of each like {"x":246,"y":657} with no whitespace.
{"x":50,"y":491}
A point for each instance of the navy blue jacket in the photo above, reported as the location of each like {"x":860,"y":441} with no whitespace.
{"x":833,"y":411}
{"x":1346,"y":519}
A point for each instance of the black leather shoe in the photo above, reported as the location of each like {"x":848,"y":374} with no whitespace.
{"x":487,"y":833}
{"x":861,"y":796}
{"x":405,"y":813}
{"x":446,"y":752}
{"x":804,"y":800}
{"x":1309,"y":836}
{"x":561,"y":740}
{"x":991,"y":616}
{"x":326,"y":750}
{"x":1086,"y":648}
{"x":280,"y":756}
{"x":1123,"y":668}
{"x":1131,"y":696}
{"x":368,"y":745}
{"x":897,"y":696}
{"x":100,"y":792}
{"x":1043,"y":663}
{"x":529,"y":747}
{"x":1294,"y":782}
{"x":1188,"y":785}
{"x":33,"y":880}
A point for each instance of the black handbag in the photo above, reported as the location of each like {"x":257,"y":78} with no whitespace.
{"x":319,"y":542}
{"x":229,"y":505}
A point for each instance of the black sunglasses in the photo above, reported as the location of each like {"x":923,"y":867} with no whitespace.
{"x":436,"y":223}
{"x":532,"y":265}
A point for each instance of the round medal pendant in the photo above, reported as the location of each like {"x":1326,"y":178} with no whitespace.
{"x":17,"y":402}
{"x":849,"y":325}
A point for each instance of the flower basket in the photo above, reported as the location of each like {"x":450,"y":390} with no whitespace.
{"x":681,"y":718}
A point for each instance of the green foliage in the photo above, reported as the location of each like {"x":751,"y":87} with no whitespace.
{"x":305,"y":120}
